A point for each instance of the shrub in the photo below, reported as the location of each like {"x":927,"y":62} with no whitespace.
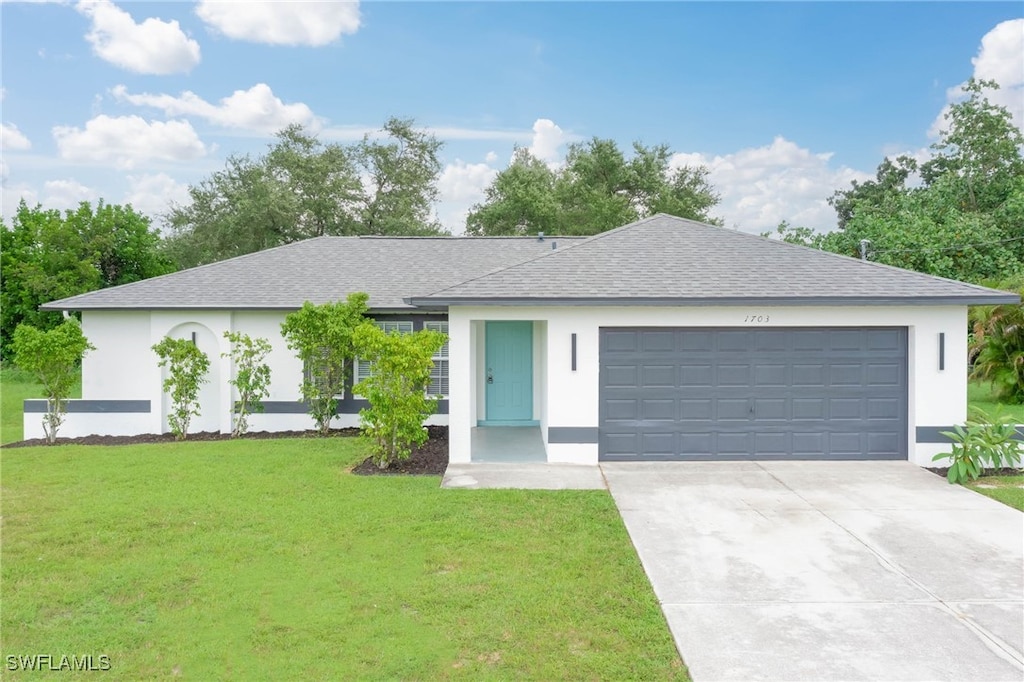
{"x":53,"y":358}
{"x":252,"y":376}
{"x":396,"y":389}
{"x":983,"y":440}
{"x":997,"y":347}
{"x":186,"y":373}
{"x":321,"y":336}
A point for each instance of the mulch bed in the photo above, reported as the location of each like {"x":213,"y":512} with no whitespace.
{"x":430,"y":459}
{"x":1005,"y":471}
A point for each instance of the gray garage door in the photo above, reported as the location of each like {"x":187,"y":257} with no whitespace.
{"x":753,"y":393}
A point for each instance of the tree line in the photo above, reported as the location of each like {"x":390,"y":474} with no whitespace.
{"x":960,"y":214}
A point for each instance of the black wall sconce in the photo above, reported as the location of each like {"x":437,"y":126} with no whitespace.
{"x":942,"y":351}
{"x":574,"y":352}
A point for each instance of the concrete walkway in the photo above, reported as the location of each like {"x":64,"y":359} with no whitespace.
{"x":528,"y":476}
{"x":828,"y":571}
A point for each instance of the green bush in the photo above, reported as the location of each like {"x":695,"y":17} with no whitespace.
{"x":321,"y":336}
{"x":52,"y":357}
{"x":252,"y":376}
{"x":997,"y":346}
{"x":396,"y":389}
{"x":186,"y":373}
{"x":984,"y":441}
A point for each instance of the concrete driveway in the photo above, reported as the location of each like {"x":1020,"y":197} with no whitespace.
{"x":828,"y":570}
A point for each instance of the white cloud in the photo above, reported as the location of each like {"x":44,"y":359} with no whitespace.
{"x":999,"y":59}
{"x":547,"y":139}
{"x":68,"y":193}
{"x":12,"y":196}
{"x":465,"y":182}
{"x":281,"y":23}
{"x":256,"y":109}
{"x":153,"y":47}
{"x":762,"y":186}
{"x":491,"y":157}
{"x":126,"y":140}
{"x":153,"y":194}
{"x":12,"y":139}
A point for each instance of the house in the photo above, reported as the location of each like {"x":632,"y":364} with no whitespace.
{"x":664,"y":339}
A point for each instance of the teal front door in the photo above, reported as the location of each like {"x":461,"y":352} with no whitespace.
{"x":509,"y":372}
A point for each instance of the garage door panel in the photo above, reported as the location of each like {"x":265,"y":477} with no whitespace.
{"x":730,"y":443}
{"x":808,"y":374}
{"x":845,"y":408}
{"x":846,"y":375}
{"x":658,"y":341}
{"x":771,"y":375}
{"x":696,"y":375}
{"x":771,"y":409}
{"x":658,"y":375}
{"x":658,"y":410}
{"x":733,"y":409}
{"x":659,"y":443}
{"x":696,"y":409}
{"x":733,"y":375}
{"x":621,"y":409}
{"x":745,"y":393}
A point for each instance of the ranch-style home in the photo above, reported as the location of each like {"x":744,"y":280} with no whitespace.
{"x":665,"y":339}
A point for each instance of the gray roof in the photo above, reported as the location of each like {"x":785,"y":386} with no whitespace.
{"x":323,"y":269}
{"x":664,"y":260}
{"x":661,"y":260}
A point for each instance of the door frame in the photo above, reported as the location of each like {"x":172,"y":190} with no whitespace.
{"x":489,"y":327}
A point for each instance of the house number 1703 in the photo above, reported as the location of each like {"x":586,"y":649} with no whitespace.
{"x":756,"y":319}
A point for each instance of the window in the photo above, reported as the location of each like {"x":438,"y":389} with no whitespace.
{"x":321,"y":367}
{"x":364,"y":367}
{"x":439,"y":374}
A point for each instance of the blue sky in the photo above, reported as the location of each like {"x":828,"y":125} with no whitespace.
{"x":784,"y":102}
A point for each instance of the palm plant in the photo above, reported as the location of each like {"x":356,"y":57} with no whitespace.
{"x":997,"y":347}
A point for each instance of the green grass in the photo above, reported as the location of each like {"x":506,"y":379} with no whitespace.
{"x":980,"y":395}
{"x":15,"y":387}
{"x":1007,"y":489}
{"x":267,"y":560}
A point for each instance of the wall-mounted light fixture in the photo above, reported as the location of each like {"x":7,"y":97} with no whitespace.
{"x":942,"y":351}
{"x":574,"y":352}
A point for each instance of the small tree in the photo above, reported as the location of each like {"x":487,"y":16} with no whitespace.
{"x":53,"y":357}
{"x":396,"y":389}
{"x":186,"y":373}
{"x":321,"y":336}
{"x":252,"y":376}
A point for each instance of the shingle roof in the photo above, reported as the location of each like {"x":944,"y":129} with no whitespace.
{"x":321,"y":270}
{"x":664,"y":259}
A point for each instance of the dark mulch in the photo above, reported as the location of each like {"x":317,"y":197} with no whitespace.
{"x":169,"y":438}
{"x":1005,"y":471}
{"x":430,"y":459}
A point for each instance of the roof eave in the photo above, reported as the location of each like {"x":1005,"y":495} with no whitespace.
{"x":975,"y":299}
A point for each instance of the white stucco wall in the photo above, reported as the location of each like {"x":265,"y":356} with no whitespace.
{"x":124,"y":367}
{"x":936,"y":398}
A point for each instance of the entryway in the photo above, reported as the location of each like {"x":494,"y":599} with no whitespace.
{"x":507,"y":444}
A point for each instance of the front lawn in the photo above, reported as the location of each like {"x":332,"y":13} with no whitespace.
{"x":1007,"y":489}
{"x":980,"y":395}
{"x":268,"y":560}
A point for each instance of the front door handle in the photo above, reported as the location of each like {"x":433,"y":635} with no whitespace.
{"x":490,"y":376}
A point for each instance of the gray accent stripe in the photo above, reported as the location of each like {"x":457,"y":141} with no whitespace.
{"x":78,"y":406}
{"x":345,"y":406}
{"x":933,"y":434}
{"x":572,"y":434}
{"x":979,"y":299}
{"x":744,"y":458}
